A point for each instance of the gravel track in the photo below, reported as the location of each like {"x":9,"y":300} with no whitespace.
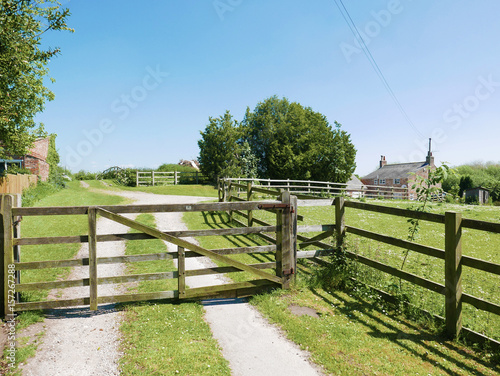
{"x":82,"y":342}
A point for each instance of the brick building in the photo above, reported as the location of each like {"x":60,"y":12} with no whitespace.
{"x":400,"y":175}
{"x":36,"y":158}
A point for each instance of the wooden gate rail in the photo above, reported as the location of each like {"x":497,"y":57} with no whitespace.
{"x":185,"y":249}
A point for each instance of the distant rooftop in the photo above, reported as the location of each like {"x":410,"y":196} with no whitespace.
{"x":396,"y":170}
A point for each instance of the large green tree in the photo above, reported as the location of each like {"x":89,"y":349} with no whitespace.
{"x":23,"y":66}
{"x":220,"y":148}
{"x":295,"y":142}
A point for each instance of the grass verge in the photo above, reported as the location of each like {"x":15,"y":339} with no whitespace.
{"x":163,"y":338}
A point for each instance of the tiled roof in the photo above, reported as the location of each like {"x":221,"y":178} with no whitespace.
{"x":396,"y":170}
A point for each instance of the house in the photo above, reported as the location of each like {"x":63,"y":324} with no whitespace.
{"x":396,"y":179}
{"x":478,"y":195}
{"x":36,"y":158}
{"x":355,"y":187}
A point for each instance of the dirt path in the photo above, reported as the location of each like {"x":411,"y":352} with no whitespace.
{"x":81,"y":342}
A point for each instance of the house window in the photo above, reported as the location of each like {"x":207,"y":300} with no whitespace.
{"x":375,"y":182}
{"x":397,"y":181}
{"x":382,"y":181}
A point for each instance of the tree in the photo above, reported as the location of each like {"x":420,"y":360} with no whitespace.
{"x":293,"y":141}
{"x":23,"y":66}
{"x":220,"y":148}
{"x":465,"y":183}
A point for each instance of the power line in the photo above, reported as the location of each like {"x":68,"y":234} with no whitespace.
{"x":373,"y":63}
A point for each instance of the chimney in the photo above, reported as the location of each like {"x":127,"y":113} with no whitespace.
{"x":429,"y":159}
{"x":383,"y":162}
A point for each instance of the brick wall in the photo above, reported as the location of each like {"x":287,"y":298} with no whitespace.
{"x":37,"y":167}
{"x":40,"y":149}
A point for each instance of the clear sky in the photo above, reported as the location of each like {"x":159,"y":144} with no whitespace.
{"x":137,"y":81}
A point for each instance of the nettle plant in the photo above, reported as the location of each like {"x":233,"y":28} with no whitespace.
{"x":426,"y":189}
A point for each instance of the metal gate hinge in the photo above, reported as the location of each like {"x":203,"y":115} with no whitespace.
{"x":288,"y":272}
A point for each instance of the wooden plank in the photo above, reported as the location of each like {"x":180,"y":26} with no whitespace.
{"x":181,"y":266}
{"x":92,"y":218}
{"x":238,"y":199}
{"x":453,"y":272}
{"x":226,"y":269}
{"x":481,"y":265}
{"x":420,"y":248}
{"x":207,"y":291}
{"x":481,"y":304}
{"x":240,"y":250}
{"x":60,"y":303}
{"x":100,"y":281}
{"x":183,"y":243}
{"x":138,"y":297}
{"x":481,"y":225}
{"x":130,"y":236}
{"x":271,"y":192}
{"x":167,"y":208}
{"x":425,"y":283}
{"x":439,"y":218}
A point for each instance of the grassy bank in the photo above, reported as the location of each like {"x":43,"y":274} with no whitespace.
{"x":165,"y":339}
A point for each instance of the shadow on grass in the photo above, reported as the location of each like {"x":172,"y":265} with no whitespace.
{"x":422,"y":339}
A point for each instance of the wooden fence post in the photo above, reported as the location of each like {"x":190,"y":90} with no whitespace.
{"x":92,"y":217}
{"x":153,"y":177}
{"x":229,"y":194}
{"x":339,"y":220}
{"x":285,"y":265}
{"x":181,"y":266}
{"x":137,"y":178}
{"x":175,"y":177}
{"x":453,"y":272}
{"x":250,"y":198}
{"x":8,"y":252}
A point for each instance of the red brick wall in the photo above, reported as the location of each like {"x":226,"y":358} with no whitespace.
{"x":37,"y":167}
{"x":40,"y":149}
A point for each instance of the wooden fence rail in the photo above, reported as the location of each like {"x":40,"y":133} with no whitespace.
{"x":451,"y":254}
{"x":146,"y":178}
{"x":309,"y":188}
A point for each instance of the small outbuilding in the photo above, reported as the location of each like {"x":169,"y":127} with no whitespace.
{"x":478,"y":195}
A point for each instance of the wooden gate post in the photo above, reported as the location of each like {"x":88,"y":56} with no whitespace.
{"x":340,"y":220}
{"x":92,"y":217}
{"x":181,"y":277}
{"x":229,"y":195}
{"x":175,"y":177}
{"x":6,"y":237}
{"x":285,"y":242}
{"x":453,"y":272}
{"x":250,"y":198}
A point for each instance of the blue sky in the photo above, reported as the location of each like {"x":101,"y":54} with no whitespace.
{"x":137,"y":81}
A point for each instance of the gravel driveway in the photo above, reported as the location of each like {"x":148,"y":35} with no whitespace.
{"x":78,"y":341}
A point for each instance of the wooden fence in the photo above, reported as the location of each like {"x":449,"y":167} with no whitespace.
{"x":12,"y":265}
{"x":452,"y":255}
{"x":309,"y":188}
{"x":16,"y":184}
{"x":147,"y":178}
